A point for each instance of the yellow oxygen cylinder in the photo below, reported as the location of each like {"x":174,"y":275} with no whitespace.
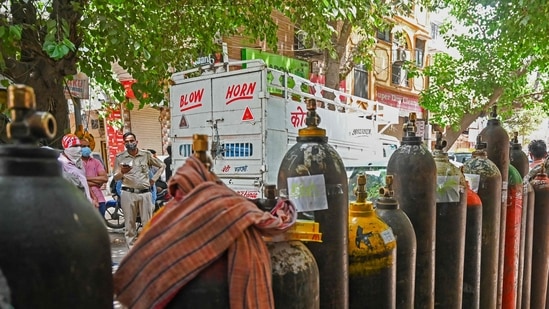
{"x":372,"y":255}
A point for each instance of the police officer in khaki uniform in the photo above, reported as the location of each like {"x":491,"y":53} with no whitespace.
{"x":132,"y":166}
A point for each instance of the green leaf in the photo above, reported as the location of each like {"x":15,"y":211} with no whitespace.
{"x":15,"y":32}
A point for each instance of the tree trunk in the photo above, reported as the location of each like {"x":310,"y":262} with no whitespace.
{"x":451,"y":136}
{"x":333,"y":66}
{"x":47,"y":82}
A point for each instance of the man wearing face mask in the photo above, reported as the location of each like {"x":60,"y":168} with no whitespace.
{"x":96,"y":176}
{"x":71,"y":161}
{"x":132,"y":167}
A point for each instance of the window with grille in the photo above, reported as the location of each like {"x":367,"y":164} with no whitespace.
{"x":360,"y":82}
{"x":384,"y":35}
{"x":185,"y":150}
{"x":399,"y":76}
{"x":435,"y":31}
{"x":420,"y":50}
{"x":237,"y":150}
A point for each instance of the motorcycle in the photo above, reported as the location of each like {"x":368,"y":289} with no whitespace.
{"x":114,"y":215}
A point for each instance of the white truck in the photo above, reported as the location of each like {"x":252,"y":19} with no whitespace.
{"x":252,"y":115}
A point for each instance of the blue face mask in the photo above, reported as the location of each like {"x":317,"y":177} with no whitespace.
{"x":86,"y":151}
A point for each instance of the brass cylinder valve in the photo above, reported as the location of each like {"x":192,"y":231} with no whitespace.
{"x":28,"y":125}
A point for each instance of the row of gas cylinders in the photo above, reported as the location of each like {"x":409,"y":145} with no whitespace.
{"x":438,"y":237}
{"x":428,"y":242}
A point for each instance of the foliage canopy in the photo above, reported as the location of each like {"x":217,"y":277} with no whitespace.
{"x":504,"y":52}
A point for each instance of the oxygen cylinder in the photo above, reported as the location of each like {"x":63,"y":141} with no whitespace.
{"x":314,"y":177}
{"x":451,"y":210}
{"x":519,"y":160}
{"x":414,"y":174}
{"x":517,"y":157}
{"x":55,"y":247}
{"x":512,"y":239}
{"x":389,"y":211}
{"x":485,"y":179}
{"x":210,"y":288}
{"x":372,"y":256}
{"x":528,"y":217}
{"x":294,"y":270}
{"x":473,"y":243}
{"x":497,"y":150}
{"x":540,"y":245}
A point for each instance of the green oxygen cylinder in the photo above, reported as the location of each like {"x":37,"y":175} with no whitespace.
{"x":414,"y":173}
{"x":55,"y":246}
{"x":450,"y":229}
{"x":485,"y":179}
{"x":314,"y":177}
{"x":497,"y":150}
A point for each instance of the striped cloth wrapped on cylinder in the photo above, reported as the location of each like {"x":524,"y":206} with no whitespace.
{"x":204,"y":220}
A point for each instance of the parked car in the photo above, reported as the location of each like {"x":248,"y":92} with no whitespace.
{"x":460,"y":156}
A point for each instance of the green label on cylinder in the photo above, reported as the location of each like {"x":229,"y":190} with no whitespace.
{"x":447,"y":189}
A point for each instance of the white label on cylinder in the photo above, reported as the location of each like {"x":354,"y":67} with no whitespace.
{"x":504,"y":190}
{"x":473,"y":180}
{"x":308,"y":192}
{"x":387,"y":236}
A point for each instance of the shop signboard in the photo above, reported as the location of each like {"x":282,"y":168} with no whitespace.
{"x":405,"y":103}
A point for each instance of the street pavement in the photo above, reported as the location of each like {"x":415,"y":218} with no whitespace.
{"x":118,"y":251}
{"x":118,"y":246}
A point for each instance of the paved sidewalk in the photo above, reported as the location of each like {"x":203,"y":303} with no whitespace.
{"x":118,"y":245}
{"x":118,"y":251}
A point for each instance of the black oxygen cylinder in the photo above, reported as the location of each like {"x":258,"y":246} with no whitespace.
{"x":450,"y":229}
{"x":528,"y":238}
{"x":55,"y":246}
{"x":540,"y":244}
{"x":294,"y":269}
{"x":517,"y":157}
{"x":473,"y":243}
{"x":309,"y":168}
{"x":414,"y":174}
{"x":389,"y":211}
{"x":519,"y":160}
{"x":497,"y":150}
{"x":485,"y":179}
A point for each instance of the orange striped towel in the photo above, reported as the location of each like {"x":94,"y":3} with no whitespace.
{"x":204,"y":220}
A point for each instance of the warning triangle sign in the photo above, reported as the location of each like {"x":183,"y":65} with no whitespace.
{"x":183,"y":124}
{"x":248,"y":116}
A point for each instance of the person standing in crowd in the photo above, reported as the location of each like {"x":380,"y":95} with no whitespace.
{"x":152,"y":171}
{"x":168,"y":163}
{"x":538,"y":152}
{"x":132,"y":167}
{"x":71,"y":162}
{"x":96,"y":176}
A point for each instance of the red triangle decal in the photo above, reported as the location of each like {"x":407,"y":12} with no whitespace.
{"x":247,"y":116}
{"x":183,"y":124}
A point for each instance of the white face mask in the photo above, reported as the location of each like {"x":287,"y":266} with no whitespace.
{"x":74,"y":153}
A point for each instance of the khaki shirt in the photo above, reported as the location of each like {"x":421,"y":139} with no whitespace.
{"x":138,"y":176}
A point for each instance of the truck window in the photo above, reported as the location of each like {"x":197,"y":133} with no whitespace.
{"x":185,"y":150}
{"x":237,"y":150}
